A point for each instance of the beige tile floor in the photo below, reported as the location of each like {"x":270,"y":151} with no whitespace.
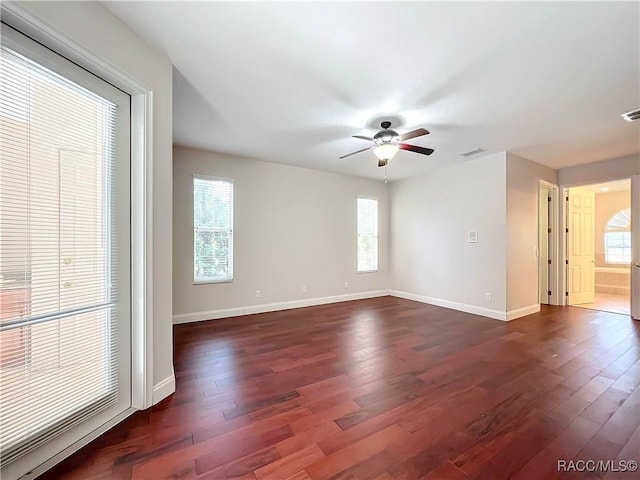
{"x":609,"y":303}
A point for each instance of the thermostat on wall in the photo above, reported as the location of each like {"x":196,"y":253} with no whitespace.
{"x":472,"y":237}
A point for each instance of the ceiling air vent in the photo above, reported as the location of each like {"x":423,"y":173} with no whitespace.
{"x":473,"y":152}
{"x":632,"y":115}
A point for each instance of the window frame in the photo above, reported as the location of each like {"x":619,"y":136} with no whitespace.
{"x":212,"y":178}
{"x":623,"y":248}
{"x":617,"y":230}
{"x":376,"y":235}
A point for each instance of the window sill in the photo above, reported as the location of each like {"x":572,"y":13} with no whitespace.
{"x":208,"y":282}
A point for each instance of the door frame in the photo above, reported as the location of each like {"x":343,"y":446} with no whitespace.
{"x":635,"y":232}
{"x":635,"y":247}
{"x":555,"y":281}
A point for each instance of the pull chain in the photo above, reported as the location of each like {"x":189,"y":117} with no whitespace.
{"x":385,"y":174}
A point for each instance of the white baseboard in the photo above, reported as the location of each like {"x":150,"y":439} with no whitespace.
{"x":164,"y":388}
{"x":463,"y":307}
{"x":273,"y":307}
{"x":522,"y":312}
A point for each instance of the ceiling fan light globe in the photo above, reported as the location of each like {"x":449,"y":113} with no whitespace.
{"x":385,"y":151}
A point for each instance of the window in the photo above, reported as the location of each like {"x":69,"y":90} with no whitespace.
{"x":64,"y":249}
{"x":367,"y":234}
{"x":212,"y":230}
{"x":617,"y":238}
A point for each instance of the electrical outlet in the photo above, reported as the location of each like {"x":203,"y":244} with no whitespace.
{"x":258,"y":293}
{"x":346,"y":284}
{"x":487,"y":297}
{"x":304,"y":289}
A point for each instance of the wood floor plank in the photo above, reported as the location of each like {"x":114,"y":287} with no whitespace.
{"x":383,"y":389}
{"x":356,"y":452}
{"x":290,"y":464}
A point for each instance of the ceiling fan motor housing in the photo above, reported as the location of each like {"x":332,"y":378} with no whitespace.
{"x":386,"y":136}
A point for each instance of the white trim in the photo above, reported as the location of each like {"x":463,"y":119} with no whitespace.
{"x":164,"y":388}
{"x":522,"y":312}
{"x":635,"y":245}
{"x":212,"y":178}
{"x":273,"y":307}
{"x":462,"y":307}
{"x":142,"y":250}
{"x":71,"y":449}
{"x":21,"y":19}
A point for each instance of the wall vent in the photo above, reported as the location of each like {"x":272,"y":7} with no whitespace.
{"x":473,"y":152}
{"x":632,"y":115}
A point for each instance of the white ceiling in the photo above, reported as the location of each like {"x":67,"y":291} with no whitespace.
{"x":616,"y":186}
{"x":291,"y":82}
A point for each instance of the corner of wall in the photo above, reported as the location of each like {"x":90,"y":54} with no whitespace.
{"x":164,"y":388}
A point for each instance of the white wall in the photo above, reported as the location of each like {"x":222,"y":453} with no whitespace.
{"x":613,"y":169}
{"x":430,"y":217}
{"x":523,"y":185}
{"x":292,"y":227}
{"x":93,"y":28}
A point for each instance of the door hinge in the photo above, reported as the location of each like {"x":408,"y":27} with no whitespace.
{"x":548,"y":199}
{"x":566,"y":294}
{"x":566,"y":262}
{"x":549,"y":292}
{"x":549,"y":261}
{"x":548,"y":230}
{"x":566,"y":230}
{"x":567,"y":199}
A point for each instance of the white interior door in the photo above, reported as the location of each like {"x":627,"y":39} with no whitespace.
{"x":581,"y":247}
{"x":635,"y":247}
{"x":543,"y":244}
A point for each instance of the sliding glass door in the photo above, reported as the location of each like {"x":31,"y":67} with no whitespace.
{"x":64,"y":251}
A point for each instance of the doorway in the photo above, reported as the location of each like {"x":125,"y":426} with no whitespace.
{"x":548,"y":291}
{"x":599,"y":246}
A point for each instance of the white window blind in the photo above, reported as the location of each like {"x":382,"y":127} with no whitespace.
{"x":213,"y":229}
{"x":617,"y":238}
{"x":367,"y":234}
{"x":59,"y":258}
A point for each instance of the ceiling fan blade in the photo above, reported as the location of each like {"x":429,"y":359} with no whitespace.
{"x":363,"y":137}
{"x":382,"y":163}
{"x":413,"y":134}
{"x":416,"y":149}
{"x":357,"y":151}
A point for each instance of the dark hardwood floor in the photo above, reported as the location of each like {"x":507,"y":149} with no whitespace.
{"x":385,"y":389}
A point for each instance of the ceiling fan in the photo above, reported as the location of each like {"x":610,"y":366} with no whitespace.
{"x":387,"y":142}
